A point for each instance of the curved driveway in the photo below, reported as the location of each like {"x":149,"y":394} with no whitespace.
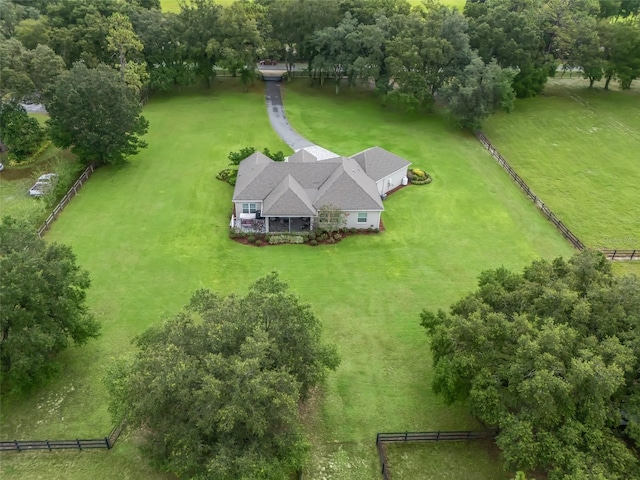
{"x":278,"y":119}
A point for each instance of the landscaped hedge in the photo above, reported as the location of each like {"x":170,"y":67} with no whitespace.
{"x":419,"y":176}
{"x":313,"y":238}
{"x":276,"y":239}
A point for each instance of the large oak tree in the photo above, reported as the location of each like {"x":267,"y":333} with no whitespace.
{"x":550,"y":357}
{"x":217,"y":387}
{"x":93,"y":111}
{"x":42,"y":304}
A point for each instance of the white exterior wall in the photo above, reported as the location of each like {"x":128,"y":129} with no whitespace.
{"x":395,"y":178}
{"x":373,"y":220}
{"x":238,"y":207}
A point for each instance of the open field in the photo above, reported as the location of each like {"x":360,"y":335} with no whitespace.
{"x":153,"y":231}
{"x":578,"y":149}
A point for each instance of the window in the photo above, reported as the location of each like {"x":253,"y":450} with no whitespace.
{"x":362,"y":218}
{"x":249,"y":208}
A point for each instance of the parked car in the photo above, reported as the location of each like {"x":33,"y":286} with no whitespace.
{"x":45,"y":184}
{"x":268,"y":61}
{"x":1,"y":166}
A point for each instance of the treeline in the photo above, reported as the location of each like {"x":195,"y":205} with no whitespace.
{"x":477,"y":60}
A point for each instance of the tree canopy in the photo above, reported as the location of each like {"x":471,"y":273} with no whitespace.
{"x":20,"y":133}
{"x":42,"y":304}
{"x":217,"y":387}
{"x":551,"y":358}
{"x":411,"y":54}
{"x":93,"y":111}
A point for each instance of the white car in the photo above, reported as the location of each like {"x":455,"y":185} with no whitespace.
{"x":44,"y":185}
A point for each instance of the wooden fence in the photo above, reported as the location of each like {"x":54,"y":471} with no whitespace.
{"x":50,"y":445}
{"x":621,"y":254}
{"x":568,"y":234}
{"x":66,"y":199}
{"x":383,"y":438}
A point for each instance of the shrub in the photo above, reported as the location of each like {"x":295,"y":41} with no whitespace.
{"x":323,"y":237}
{"x":258,"y":242}
{"x":376,"y":230}
{"x":313,"y":243}
{"x":35,"y":156}
{"x":228,"y":175}
{"x":337,"y":236}
{"x":353,"y":230}
{"x":278,"y":239}
{"x":236,"y":157}
{"x":275,"y":156}
{"x":422,"y":181}
{"x":68,"y":173}
{"x":418,"y":172}
{"x":251,"y":239}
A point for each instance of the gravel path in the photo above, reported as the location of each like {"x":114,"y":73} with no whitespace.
{"x":278,"y":119}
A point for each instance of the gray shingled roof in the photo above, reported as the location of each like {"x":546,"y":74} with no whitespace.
{"x":287,"y":199}
{"x":249,"y":169}
{"x":349,"y":188}
{"x":302,"y":156}
{"x":299,"y":188}
{"x":378,"y":162}
{"x":256,"y":184}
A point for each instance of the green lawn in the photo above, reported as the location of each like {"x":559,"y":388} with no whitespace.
{"x":579,"y":150}
{"x":153,"y":231}
{"x":473,"y":460}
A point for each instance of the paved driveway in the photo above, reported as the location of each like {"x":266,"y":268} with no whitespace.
{"x":278,"y":119}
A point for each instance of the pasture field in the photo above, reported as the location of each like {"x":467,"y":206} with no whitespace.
{"x":154,"y":230}
{"x":579,"y":150}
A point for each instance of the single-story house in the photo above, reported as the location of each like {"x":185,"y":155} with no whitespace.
{"x":286,"y":196}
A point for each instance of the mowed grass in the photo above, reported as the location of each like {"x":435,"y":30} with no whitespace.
{"x":472,"y":460}
{"x":579,"y":150}
{"x":153,"y":231}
